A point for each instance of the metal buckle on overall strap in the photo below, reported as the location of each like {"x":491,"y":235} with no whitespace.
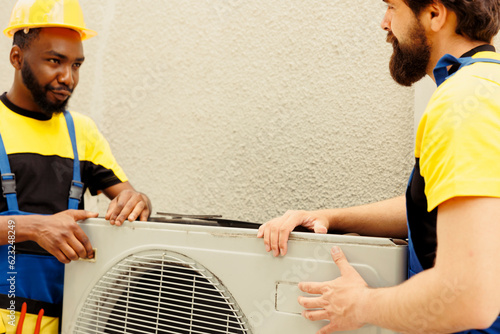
{"x":76,"y":190}
{"x":8,"y":184}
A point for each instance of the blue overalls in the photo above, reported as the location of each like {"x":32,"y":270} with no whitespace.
{"x":28,"y":277}
{"x":441,"y":74}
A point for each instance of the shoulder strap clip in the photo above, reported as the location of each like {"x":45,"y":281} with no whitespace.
{"x":8,"y":184}
{"x":76,"y":190}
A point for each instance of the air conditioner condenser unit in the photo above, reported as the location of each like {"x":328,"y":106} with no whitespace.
{"x":154,"y":278}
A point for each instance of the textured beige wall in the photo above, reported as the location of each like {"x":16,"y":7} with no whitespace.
{"x":245,"y":108}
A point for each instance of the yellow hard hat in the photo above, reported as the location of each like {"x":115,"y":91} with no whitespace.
{"x":48,"y":13}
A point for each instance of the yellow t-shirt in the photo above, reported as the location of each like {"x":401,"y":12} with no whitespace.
{"x":41,"y":157}
{"x":458,"y":138}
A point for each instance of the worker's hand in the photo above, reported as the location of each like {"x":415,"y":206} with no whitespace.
{"x":129,"y":204}
{"x":339,"y":299}
{"x":61,"y":236}
{"x":276,"y":232}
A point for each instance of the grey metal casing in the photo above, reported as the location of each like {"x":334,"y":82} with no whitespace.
{"x":264,"y":287}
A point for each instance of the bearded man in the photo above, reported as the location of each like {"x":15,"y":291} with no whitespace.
{"x":451,"y":211}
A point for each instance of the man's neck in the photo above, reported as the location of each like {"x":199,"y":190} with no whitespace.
{"x":456,"y":47}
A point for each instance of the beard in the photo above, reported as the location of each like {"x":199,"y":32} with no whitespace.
{"x":39,"y":92}
{"x":409,"y":62}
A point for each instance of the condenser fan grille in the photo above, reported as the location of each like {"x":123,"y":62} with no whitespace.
{"x":159,"y":292}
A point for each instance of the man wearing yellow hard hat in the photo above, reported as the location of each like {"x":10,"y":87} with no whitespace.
{"x":48,"y":158}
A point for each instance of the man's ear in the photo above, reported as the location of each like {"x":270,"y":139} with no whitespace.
{"x":16,"y":57}
{"x":435,"y":16}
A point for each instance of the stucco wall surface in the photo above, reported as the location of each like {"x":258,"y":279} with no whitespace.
{"x":245,"y":108}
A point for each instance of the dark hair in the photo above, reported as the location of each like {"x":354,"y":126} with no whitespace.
{"x":477,"y":19}
{"x":24,"y":40}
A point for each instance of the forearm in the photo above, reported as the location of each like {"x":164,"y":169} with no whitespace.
{"x":427,"y":303}
{"x":17,"y":228}
{"x":386,"y":218}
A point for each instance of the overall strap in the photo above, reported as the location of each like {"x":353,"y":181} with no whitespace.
{"x":414,"y":265}
{"x":441,"y":69}
{"x":8,"y":179}
{"x":76,"y":190}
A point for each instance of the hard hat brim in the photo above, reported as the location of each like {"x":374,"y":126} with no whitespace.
{"x":84,"y":33}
